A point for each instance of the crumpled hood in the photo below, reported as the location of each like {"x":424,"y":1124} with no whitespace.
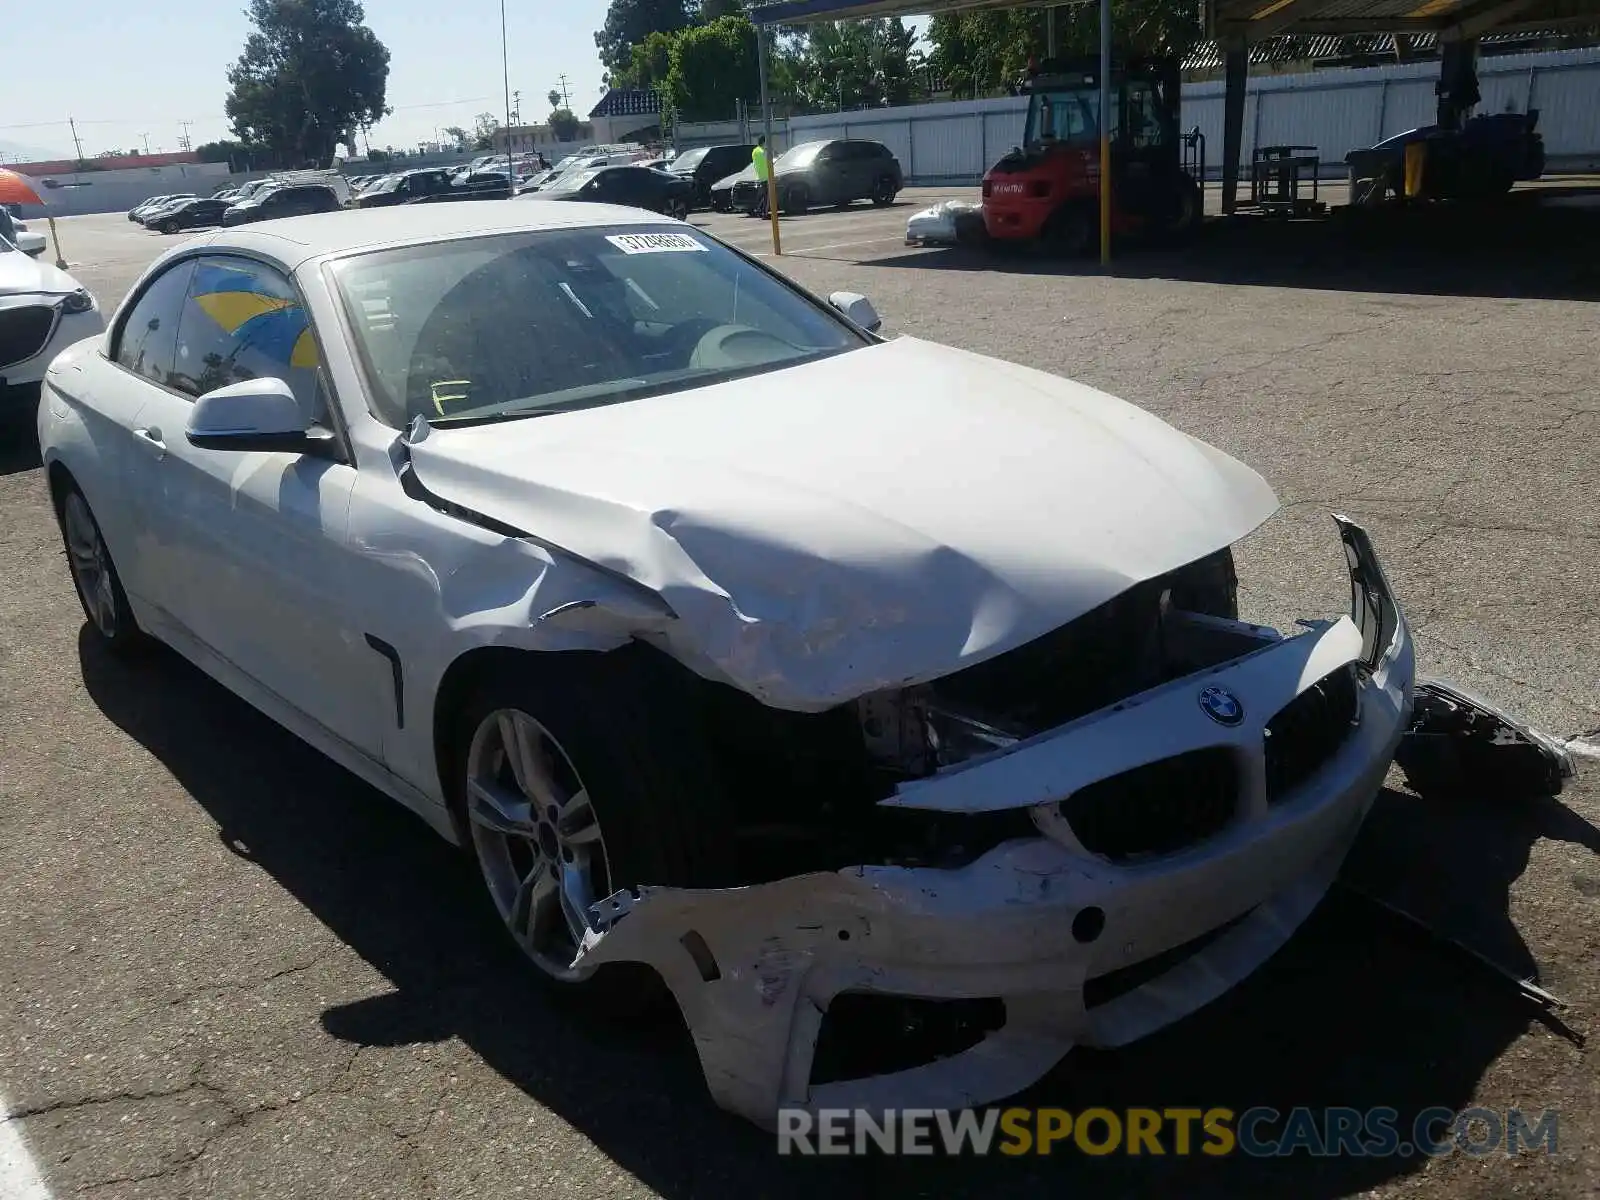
{"x":873,"y":519}
{"x":21,"y":275}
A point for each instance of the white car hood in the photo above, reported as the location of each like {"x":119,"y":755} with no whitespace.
{"x":21,"y":275}
{"x":870,"y":520}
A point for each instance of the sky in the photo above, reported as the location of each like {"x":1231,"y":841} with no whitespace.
{"x":133,"y":72}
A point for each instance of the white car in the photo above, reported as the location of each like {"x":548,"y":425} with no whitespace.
{"x":30,"y":241}
{"x":731,"y":638}
{"x":43,"y":310}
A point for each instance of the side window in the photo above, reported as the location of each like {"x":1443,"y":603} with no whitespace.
{"x":243,"y":321}
{"x":148,"y":339}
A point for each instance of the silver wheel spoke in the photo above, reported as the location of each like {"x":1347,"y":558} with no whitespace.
{"x":535,"y":892}
{"x":496,"y":809}
{"x":526,"y":756}
{"x":577,"y":825}
{"x":575,"y":900}
{"x":544,"y":913}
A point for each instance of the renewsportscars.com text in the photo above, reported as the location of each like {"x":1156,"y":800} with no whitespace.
{"x":1215,"y":1132}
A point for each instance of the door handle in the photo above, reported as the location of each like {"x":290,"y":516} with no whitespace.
{"x":152,"y":439}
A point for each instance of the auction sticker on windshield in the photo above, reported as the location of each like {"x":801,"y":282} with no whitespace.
{"x":655,"y":243}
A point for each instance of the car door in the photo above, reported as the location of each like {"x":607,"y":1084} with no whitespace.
{"x":251,"y":544}
{"x":112,"y":394}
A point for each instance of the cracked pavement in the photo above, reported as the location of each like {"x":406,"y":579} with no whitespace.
{"x":231,"y":970}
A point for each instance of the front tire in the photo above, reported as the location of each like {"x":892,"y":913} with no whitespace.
{"x":579,"y":774}
{"x":678,"y":210}
{"x":884,"y":192}
{"x":169,"y":227}
{"x":94,"y":575}
{"x":798,"y":201}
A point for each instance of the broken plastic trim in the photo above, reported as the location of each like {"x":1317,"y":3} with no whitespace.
{"x":1372,"y":603}
{"x":1459,"y":744}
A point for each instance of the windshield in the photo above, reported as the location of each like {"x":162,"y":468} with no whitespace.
{"x":1064,"y":115}
{"x":689,"y":160}
{"x":799,"y":156}
{"x":532,"y":323}
{"x":571,"y":181}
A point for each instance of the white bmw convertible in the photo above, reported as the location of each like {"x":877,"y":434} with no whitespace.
{"x":840,"y":680}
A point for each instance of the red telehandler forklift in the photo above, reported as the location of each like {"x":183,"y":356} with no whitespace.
{"x":1047,"y":191}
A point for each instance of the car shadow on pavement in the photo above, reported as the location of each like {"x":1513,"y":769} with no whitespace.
{"x":1357,"y":1010}
{"x":1541,"y":244}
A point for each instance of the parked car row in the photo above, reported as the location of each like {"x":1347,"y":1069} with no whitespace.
{"x":834,"y":172}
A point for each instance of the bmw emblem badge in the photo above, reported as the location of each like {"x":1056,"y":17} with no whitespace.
{"x":1221,"y":705}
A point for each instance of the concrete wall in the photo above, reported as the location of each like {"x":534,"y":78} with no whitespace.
{"x":118,"y":191}
{"x":1336,"y":111}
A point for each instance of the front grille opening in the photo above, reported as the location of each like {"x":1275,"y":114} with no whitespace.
{"x":866,"y":1033}
{"x":1308,"y":731}
{"x":1105,"y":988}
{"x":1159,"y":808}
{"x":23,"y":332}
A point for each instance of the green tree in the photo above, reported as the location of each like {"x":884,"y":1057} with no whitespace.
{"x":859,"y":63}
{"x":458,"y":135}
{"x":629,"y":23}
{"x":981,"y":52}
{"x":565,"y":125}
{"x":311,"y":74}
{"x":554,"y":97}
{"x":483,"y":130}
{"x":713,"y":66}
{"x":221,"y":152}
{"x":650,"y":64}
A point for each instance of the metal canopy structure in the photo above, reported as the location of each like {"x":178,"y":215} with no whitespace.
{"x":1456,"y":24}
{"x":1460,"y":20}
{"x":806,"y":12}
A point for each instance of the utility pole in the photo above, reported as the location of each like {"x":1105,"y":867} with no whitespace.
{"x":516,"y":107}
{"x":505,"y":67}
{"x":73,"y":125}
{"x":146,"y":138}
{"x":566,"y":98}
{"x":184,"y":143}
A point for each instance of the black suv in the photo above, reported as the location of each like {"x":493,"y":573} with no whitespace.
{"x":704,"y":165}
{"x":402,"y":189}
{"x":817,"y":174}
{"x":292,"y":200}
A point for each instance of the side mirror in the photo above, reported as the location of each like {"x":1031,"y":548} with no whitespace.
{"x":257,"y":414}
{"x":857,"y":308}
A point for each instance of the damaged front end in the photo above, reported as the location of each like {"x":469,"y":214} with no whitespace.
{"x":1077,"y":842}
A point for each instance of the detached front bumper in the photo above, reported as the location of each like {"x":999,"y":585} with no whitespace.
{"x":1078,"y":946}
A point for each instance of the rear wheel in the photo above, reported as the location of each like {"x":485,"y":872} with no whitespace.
{"x":94,"y":575}
{"x":884,"y":191}
{"x":1070,"y":231}
{"x":798,"y":201}
{"x":169,"y":227}
{"x":1186,"y":212}
{"x":578,"y":775}
{"x":678,"y":209}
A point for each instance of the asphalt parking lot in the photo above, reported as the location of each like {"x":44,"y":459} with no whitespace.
{"x":229,"y":969}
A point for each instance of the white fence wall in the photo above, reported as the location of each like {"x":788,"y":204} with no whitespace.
{"x":1335,"y":111}
{"x":117,"y":191}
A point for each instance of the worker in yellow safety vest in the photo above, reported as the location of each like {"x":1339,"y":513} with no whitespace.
{"x":758,"y":160}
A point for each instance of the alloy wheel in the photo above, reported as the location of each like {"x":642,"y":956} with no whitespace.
{"x":537,"y":837}
{"x":90,"y":563}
